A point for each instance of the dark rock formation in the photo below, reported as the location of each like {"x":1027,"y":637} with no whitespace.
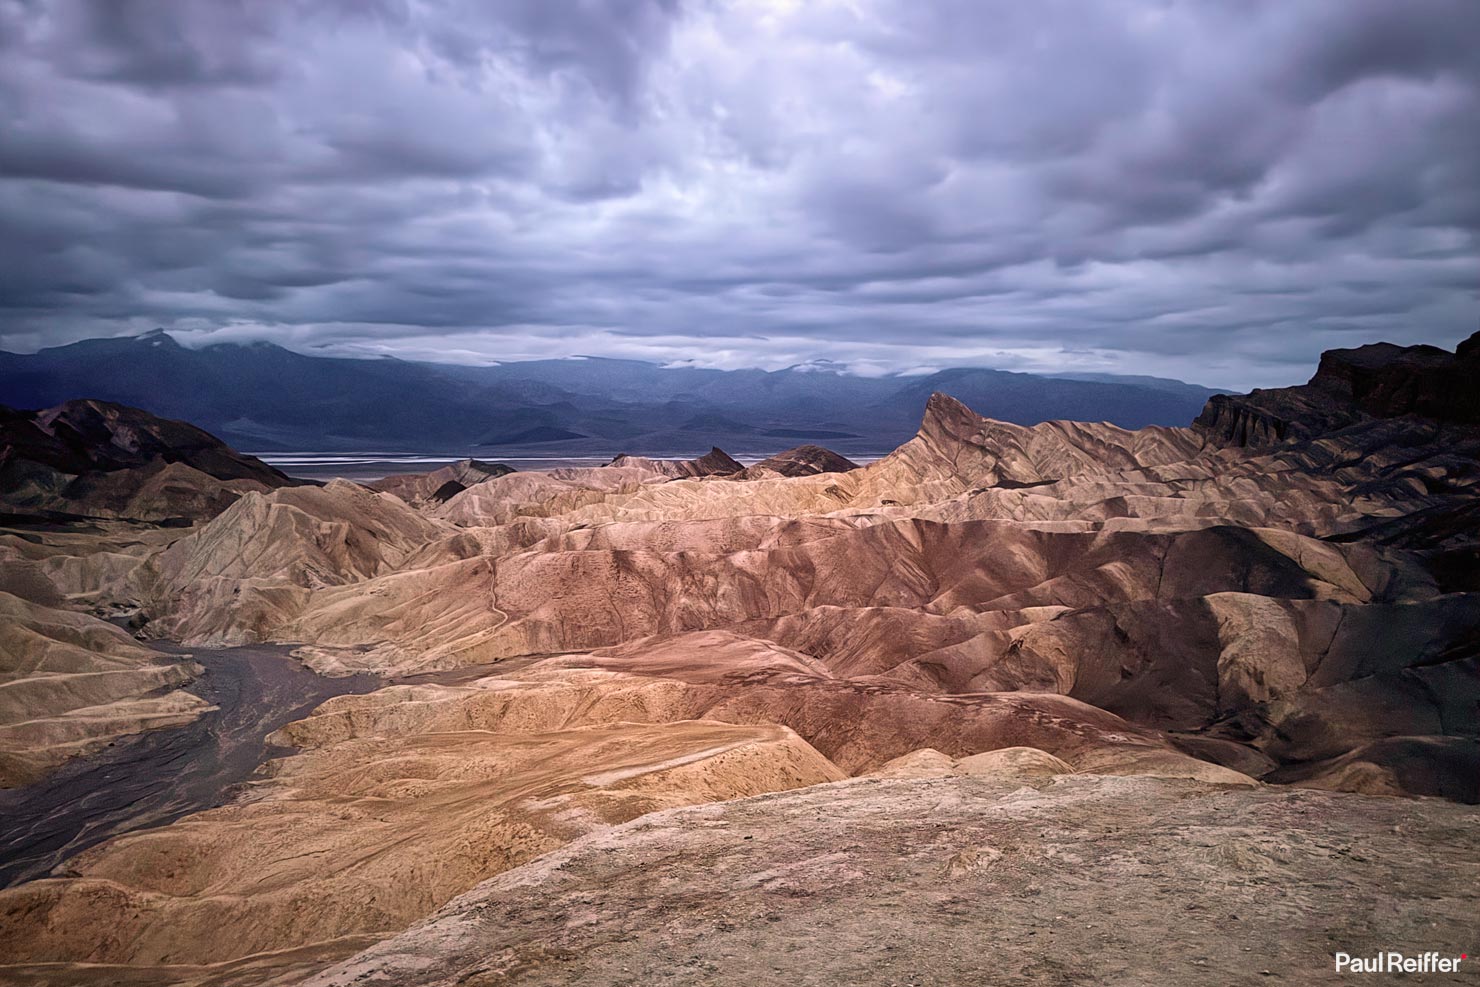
{"x":715,"y":462}
{"x":93,"y":457}
{"x":1351,"y":386}
{"x":85,"y":436}
{"x":1387,"y":381}
{"x":804,"y":460}
{"x":441,"y":485}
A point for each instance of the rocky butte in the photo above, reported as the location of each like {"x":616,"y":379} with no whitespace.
{"x":1033,"y":704}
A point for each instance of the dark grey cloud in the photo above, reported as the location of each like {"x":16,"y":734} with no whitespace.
{"x":1211,"y":190}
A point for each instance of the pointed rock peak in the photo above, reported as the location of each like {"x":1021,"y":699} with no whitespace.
{"x":944,"y":413}
{"x":941,"y":405}
{"x":717,"y":461}
{"x":804,"y":460}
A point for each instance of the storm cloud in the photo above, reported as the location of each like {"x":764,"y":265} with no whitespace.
{"x":1214,"y":191}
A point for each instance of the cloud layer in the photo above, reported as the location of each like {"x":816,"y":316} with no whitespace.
{"x":1215,"y":191}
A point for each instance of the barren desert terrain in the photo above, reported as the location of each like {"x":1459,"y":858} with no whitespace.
{"x":1047,"y":704}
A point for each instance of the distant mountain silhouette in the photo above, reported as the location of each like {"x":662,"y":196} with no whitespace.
{"x":262,"y":396}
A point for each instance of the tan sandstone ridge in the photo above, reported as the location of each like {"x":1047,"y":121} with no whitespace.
{"x":69,"y":682}
{"x":1288,"y":591}
{"x":349,"y":841}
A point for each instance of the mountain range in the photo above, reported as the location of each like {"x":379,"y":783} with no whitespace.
{"x":264,"y":397}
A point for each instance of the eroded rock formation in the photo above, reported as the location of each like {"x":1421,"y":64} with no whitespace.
{"x":440,"y":485}
{"x":802,"y":461}
{"x":715,"y":462}
{"x":99,"y":459}
{"x":69,"y":682}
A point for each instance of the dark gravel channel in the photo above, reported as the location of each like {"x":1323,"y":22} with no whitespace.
{"x":152,"y":779}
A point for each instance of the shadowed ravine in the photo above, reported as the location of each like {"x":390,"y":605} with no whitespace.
{"x":154,"y":778}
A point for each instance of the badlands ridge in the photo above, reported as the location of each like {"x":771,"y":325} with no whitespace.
{"x":1068,"y":628}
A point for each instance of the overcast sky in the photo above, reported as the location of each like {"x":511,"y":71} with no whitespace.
{"x":1207,"y":190}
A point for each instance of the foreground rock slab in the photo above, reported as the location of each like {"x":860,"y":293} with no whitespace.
{"x":363,"y":838}
{"x":1078,"y":879}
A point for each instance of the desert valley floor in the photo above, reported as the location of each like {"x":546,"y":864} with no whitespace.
{"x":1055,"y":704}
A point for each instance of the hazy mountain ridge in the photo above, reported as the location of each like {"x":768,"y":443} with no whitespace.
{"x":262,"y":396}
